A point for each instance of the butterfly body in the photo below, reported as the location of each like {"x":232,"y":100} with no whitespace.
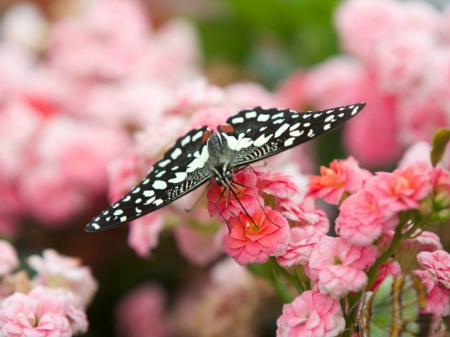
{"x":202,"y":154}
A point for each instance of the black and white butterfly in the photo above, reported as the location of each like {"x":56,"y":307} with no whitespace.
{"x":202,"y":154}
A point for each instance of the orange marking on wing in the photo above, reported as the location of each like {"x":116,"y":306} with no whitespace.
{"x":206,"y":136}
{"x":226,"y":128}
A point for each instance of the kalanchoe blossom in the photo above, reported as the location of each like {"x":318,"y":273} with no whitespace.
{"x":305,"y":214}
{"x":42,"y":312}
{"x":438,"y":264}
{"x":438,"y":298}
{"x":58,"y":271}
{"x":311,"y":314}
{"x":278,"y":184}
{"x":342,"y":176}
{"x":144,"y":233}
{"x":8,"y":258}
{"x":386,"y":269}
{"x":361,"y":220}
{"x":339,"y":267}
{"x":400,"y":190}
{"x":257,"y":238}
{"x":304,"y":238}
{"x":227,"y":205}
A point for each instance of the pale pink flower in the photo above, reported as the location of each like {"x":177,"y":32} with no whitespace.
{"x":339,"y":266}
{"x":438,"y":264}
{"x":305,"y":214}
{"x":250,"y":95}
{"x":342,"y":176}
{"x":399,"y":190}
{"x":303,"y":240}
{"x":362,"y":37}
{"x":42,"y":312}
{"x":198,"y":245}
{"x":361,"y":220}
{"x":311,"y":314}
{"x":421,"y":241}
{"x":392,"y":268}
{"x":228,"y":206}
{"x":418,"y":155}
{"x":141,"y":313}
{"x":144,"y":233}
{"x":257,"y":238}
{"x":277,"y":184}
{"x":440,"y":179}
{"x":8,"y":258}
{"x":438,"y":298}
{"x":59,"y":271}
{"x":291,"y":92}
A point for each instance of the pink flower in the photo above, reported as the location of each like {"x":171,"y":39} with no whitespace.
{"x":440,"y":180}
{"x":399,"y":190}
{"x":311,"y":314}
{"x":417,"y":155}
{"x":144,"y":233}
{"x":8,"y":258}
{"x":339,"y":266}
{"x":278,"y":184}
{"x":386,"y":269}
{"x":141,"y":313}
{"x":361,"y":220}
{"x":305,"y":214}
{"x":257,"y":238}
{"x":342,"y":176}
{"x":42,"y":312}
{"x":438,"y":298}
{"x":227,"y":205}
{"x":58,"y":271}
{"x":438,"y":264}
{"x":303,"y":240}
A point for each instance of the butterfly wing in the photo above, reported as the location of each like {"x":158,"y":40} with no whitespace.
{"x":260,"y":133}
{"x":178,"y":172}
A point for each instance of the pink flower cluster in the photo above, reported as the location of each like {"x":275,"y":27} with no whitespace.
{"x":52,"y":304}
{"x":397,"y":62}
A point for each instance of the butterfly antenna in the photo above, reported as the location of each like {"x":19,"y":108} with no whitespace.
{"x":230,"y":187}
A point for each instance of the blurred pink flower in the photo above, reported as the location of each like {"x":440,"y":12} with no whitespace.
{"x":292,"y":91}
{"x":342,"y":176}
{"x":421,"y":241}
{"x":303,"y":240}
{"x":144,"y":233}
{"x":417,"y":155}
{"x":440,"y":180}
{"x":59,"y":271}
{"x":437,"y":263}
{"x":248,"y":196}
{"x":141,"y":313}
{"x":257,"y":238}
{"x":8,"y":258}
{"x":311,"y":314}
{"x":361,"y":220}
{"x":305,"y":214}
{"x":42,"y":312}
{"x":339,"y":266}
{"x":438,"y":298}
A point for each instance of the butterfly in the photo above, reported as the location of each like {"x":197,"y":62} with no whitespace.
{"x":202,"y":155}
{"x":393,"y":309}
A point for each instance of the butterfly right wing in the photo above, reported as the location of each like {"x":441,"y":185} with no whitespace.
{"x":181,"y":170}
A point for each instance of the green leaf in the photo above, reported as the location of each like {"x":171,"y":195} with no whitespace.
{"x":440,"y":141}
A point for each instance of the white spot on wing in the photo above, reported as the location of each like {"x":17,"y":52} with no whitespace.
{"x":128,"y":197}
{"x":295,"y":116}
{"x":164,"y":163}
{"x":326,"y":127}
{"x":176,"y":153}
{"x":95,"y":226}
{"x":329,"y":118}
{"x":180,"y":177}
{"x":355,"y":110}
{"x":123,"y":218}
{"x":289,"y":142}
{"x":306,"y":116}
{"x":149,"y":201}
{"x":145,"y":182}
{"x":138,"y":201}
{"x":160,"y":174}
{"x":199,"y":161}
{"x":296,"y":133}
{"x":159,"y":185}
{"x":137,"y":189}
{"x":278,"y":115}
{"x":263,"y":118}
{"x":118,"y":212}
{"x":238,"y":144}
{"x":341,"y":115}
{"x":115,"y":205}
{"x":263,"y":128}
{"x":237,"y":120}
{"x":251,"y":114}
{"x":340,"y":109}
{"x":148,"y":193}
{"x":158,"y":202}
{"x":317,"y":115}
{"x":278,"y":121}
{"x":197,"y":136}
{"x":311,"y":133}
{"x":185,"y":141}
{"x":329,"y":111}
{"x":138,"y":211}
{"x":262,"y":140}
{"x":306,"y":125}
{"x":280,"y":131}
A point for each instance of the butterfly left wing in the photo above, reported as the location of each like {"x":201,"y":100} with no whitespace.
{"x":259,"y":133}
